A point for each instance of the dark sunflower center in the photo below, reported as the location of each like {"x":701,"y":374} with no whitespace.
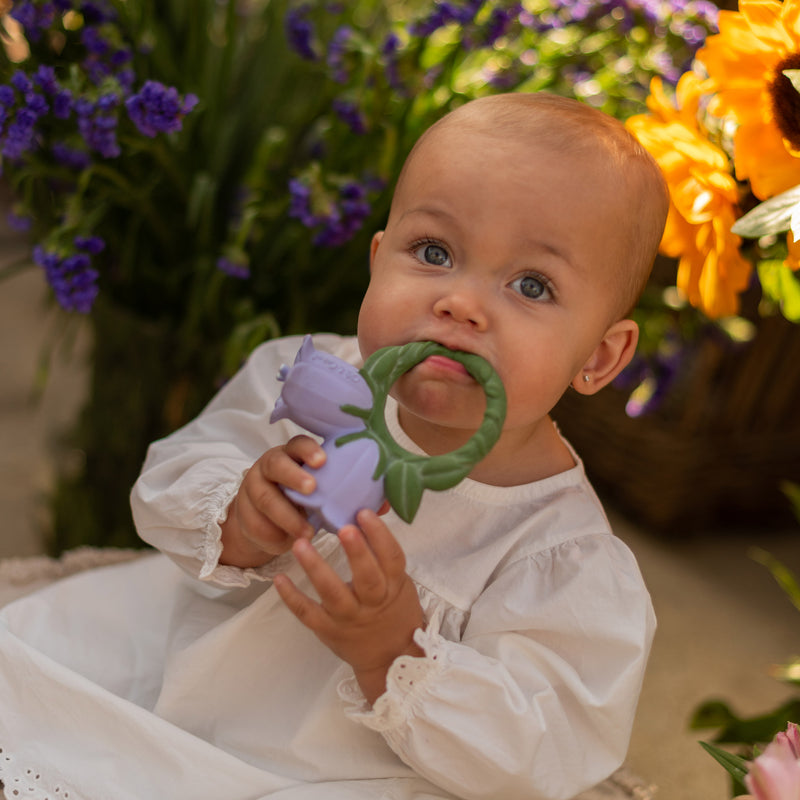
{"x":786,"y":101}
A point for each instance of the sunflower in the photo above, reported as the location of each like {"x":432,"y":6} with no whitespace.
{"x":703,"y":197}
{"x":745,"y":61}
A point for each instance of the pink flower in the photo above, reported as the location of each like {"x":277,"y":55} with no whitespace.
{"x":775,"y":774}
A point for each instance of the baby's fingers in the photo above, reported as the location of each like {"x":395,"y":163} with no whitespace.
{"x":307,"y":611}
{"x":386,"y":549}
{"x":283,"y":465}
{"x":368,"y":580}
{"x":336,"y":597}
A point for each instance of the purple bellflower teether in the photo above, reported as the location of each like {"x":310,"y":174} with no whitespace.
{"x":364,"y":465}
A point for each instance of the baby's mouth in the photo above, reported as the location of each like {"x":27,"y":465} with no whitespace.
{"x":441,"y":362}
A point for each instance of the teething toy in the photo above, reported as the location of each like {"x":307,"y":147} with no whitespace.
{"x":365,"y":465}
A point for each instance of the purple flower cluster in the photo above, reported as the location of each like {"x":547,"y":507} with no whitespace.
{"x":36,"y":18}
{"x":72,"y":126}
{"x":300,"y":32}
{"x":337,"y":54}
{"x":72,"y":277}
{"x":445,"y":13}
{"x":688,"y":20}
{"x":27,"y":100}
{"x":350,"y":113}
{"x":344,"y":216}
{"x":97,"y":123}
{"x":158,"y":109}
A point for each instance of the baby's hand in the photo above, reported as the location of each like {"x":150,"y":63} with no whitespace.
{"x":369,"y":621}
{"x":262,"y":523}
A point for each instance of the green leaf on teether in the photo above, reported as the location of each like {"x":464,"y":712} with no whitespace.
{"x":403,"y":487}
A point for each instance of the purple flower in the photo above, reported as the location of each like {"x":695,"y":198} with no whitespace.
{"x":70,"y":157}
{"x":300,"y":33}
{"x":20,"y":136}
{"x":45,"y":78}
{"x":62,"y":104}
{"x":72,"y":278}
{"x":499,"y":23}
{"x":21,"y":82}
{"x":337,"y":53}
{"x":445,"y":13}
{"x":19,"y":222}
{"x":96,"y":13}
{"x":35,"y":18}
{"x":89,"y":244}
{"x":351,"y":114}
{"x":236,"y":267}
{"x":343,"y":217}
{"x":158,"y":108}
{"x":389,"y":51}
{"x":97,"y":123}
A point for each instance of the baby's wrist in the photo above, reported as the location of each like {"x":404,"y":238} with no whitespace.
{"x":372,"y":680}
{"x":237,"y":549}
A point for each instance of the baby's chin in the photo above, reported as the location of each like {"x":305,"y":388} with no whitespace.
{"x":455,"y":403}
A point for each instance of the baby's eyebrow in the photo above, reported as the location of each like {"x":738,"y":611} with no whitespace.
{"x":431,"y":211}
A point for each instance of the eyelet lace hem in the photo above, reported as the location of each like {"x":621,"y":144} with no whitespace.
{"x":406,"y":684}
{"x":17,"y":782}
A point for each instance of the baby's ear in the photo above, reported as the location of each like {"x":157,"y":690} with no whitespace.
{"x":609,"y":358}
{"x":373,"y":248}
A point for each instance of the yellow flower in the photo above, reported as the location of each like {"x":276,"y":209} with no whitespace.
{"x":703,"y":197}
{"x":745,"y":61}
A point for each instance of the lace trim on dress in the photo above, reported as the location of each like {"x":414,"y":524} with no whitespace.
{"x":406,"y":682}
{"x":216,"y":513}
{"x":17,"y":781}
{"x":211,"y":548}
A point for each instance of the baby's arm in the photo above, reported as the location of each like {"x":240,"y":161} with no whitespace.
{"x":191,"y":478}
{"x":536,"y":699}
{"x":369,"y":621}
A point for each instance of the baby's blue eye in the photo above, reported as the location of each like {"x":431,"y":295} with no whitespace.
{"x":532,"y":287}
{"x":433,"y":254}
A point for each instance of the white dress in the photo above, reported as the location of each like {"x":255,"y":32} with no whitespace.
{"x":145,"y":680}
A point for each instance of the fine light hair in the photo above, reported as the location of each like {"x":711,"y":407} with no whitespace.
{"x":573,"y":129}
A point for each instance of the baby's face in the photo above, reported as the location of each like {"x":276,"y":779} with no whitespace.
{"x":500,"y":249}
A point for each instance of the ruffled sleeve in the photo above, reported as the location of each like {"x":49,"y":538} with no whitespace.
{"x":190,"y":478}
{"x":537,"y":699}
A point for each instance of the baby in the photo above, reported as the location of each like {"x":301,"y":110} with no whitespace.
{"x":494,"y":647}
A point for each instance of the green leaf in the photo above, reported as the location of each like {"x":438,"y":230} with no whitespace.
{"x":770,"y":217}
{"x":792,"y":491}
{"x":784,"y":576}
{"x":403,"y":487}
{"x":735,"y":765}
{"x":780,"y":284}
{"x":712,"y":714}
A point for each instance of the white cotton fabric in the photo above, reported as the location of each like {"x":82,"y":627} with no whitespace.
{"x":143,"y":680}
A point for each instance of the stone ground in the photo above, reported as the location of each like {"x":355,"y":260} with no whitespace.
{"x":722,"y":620}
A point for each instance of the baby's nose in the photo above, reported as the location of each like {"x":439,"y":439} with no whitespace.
{"x":463,"y":305}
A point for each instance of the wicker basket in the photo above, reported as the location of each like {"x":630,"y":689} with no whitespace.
{"x":716,"y":453}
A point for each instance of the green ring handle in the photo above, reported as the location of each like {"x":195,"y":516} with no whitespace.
{"x":407,"y":475}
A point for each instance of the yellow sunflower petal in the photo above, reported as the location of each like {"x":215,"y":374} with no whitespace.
{"x":761,"y":157}
{"x":764,"y":18}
